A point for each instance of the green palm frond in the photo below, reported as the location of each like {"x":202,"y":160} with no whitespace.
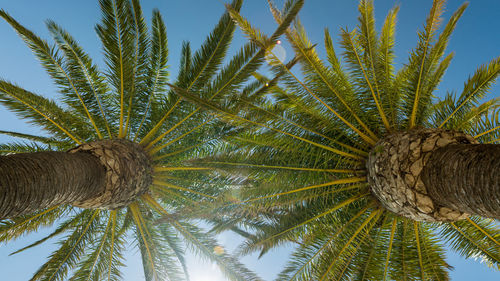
{"x":420,"y":64}
{"x":279,"y":160}
{"x":175,"y":244}
{"x":54,"y":65}
{"x":321,"y":83}
{"x":476,"y":238}
{"x":118,"y":37}
{"x":158,"y":73}
{"x":39,"y":139}
{"x":67,"y":225}
{"x":196,"y":69}
{"x":44,"y":113}
{"x":15,"y":228}
{"x":386,"y":60}
{"x":70,"y":249}
{"x":24,"y":147}
{"x":487,"y":127}
{"x":94,"y":266}
{"x":142,"y":71}
{"x":206,"y":61}
{"x":474,"y":89}
{"x":85,"y":76}
{"x":205,"y":245}
{"x":156,"y":262}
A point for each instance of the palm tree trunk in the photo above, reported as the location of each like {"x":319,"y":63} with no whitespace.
{"x":34,"y":181}
{"x":465,"y":177}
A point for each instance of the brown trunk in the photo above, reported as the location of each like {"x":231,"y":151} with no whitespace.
{"x":395,"y":166}
{"x":465,"y":177}
{"x":34,"y":181}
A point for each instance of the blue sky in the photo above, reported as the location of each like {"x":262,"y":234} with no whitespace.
{"x":475,"y":41}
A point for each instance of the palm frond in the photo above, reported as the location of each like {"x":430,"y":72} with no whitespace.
{"x":141,"y":71}
{"x":41,"y":139}
{"x":96,"y":263}
{"x":85,"y":76}
{"x":118,"y":37}
{"x":419,"y":64}
{"x":52,"y":62}
{"x":17,"y":227}
{"x":475,"y":88}
{"x":474,"y":238}
{"x":321,"y":82}
{"x":22,"y":147}
{"x":204,"y":245}
{"x":69,"y":253}
{"x":43,"y":112}
{"x":196,"y":70}
{"x":304,"y":259}
{"x":158,"y":72}
{"x":390,"y":97}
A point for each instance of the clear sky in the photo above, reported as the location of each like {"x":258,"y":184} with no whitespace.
{"x":475,"y":41}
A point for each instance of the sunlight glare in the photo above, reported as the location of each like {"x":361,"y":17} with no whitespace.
{"x":275,"y":54}
{"x":206,"y":272}
{"x":218,"y":250}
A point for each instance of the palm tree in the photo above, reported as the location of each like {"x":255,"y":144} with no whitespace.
{"x":115,"y":157}
{"x":361,"y":166}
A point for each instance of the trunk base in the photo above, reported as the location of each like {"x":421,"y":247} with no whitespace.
{"x":394,"y":173}
{"x":128,"y":172}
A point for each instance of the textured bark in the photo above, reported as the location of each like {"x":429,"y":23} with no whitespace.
{"x":33,"y":181}
{"x":394,"y":173}
{"x":106,"y":174}
{"x":128,"y":172}
{"x":465,"y":177}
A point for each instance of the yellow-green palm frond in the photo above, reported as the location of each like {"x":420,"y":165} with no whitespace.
{"x":474,"y":238}
{"x":45,"y":113}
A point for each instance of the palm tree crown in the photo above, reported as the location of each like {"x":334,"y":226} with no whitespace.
{"x":128,"y":105}
{"x":307,"y":149}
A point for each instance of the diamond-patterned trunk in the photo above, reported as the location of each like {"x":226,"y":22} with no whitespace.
{"x":106,"y":174}
{"x":128,"y":172}
{"x":395,"y":167}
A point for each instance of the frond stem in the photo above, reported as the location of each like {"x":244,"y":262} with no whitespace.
{"x":187,"y":168}
{"x":417,"y":238}
{"x":376,"y":96}
{"x":370,"y":140}
{"x":376,"y":213}
{"x":161,"y":184}
{"x":138,"y":221}
{"x":43,"y":115}
{"x":158,"y":148}
{"x":335,"y":182}
{"x":286,"y":168}
{"x":391,"y":240}
{"x":487,"y":132}
{"x":96,"y":212}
